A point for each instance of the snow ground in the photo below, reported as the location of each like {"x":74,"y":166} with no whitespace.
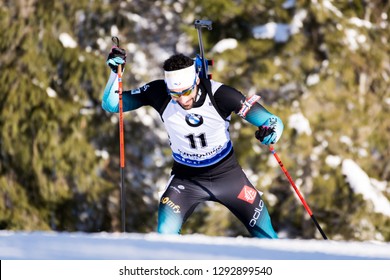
{"x":131,"y":246}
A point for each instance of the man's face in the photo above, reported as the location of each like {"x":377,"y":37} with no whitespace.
{"x":185,"y":96}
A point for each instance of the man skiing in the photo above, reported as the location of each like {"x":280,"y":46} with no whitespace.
{"x":196,"y":113}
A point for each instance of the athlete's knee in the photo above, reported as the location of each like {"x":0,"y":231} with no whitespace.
{"x":260,"y":224}
{"x":168,"y":222}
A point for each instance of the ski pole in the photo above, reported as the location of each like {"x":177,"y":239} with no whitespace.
{"x":198,"y":25}
{"x":121,"y":142}
{"x":271,"y":148}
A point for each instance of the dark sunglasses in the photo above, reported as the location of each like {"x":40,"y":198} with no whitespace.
{"x":186,"y":92}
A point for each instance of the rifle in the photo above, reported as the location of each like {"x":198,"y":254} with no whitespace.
{"x":201,"y":62}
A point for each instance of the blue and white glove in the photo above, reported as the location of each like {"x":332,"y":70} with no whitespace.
{"x":270,"y":131}
{"x":266,"y":135}
{"x":116,"y":57}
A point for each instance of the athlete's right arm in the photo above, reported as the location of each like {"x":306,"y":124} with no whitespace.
{"x":110,"y":100}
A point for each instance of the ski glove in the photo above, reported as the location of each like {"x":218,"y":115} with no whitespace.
{"x":116,"y":57}
{"x":266,"y":135}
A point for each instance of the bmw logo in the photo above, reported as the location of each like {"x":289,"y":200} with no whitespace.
{"x":194,"y":120}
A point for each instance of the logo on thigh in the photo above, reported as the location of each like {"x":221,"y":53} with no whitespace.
{"x":177,"y":189}
{"x":248,"y":194}
{"x":256,"y":214}
{"x":170,"y":203}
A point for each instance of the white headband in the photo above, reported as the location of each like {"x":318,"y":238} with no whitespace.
{"x":180,"y":79}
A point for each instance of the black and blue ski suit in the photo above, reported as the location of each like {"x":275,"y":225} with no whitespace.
{"x":205,"y":167}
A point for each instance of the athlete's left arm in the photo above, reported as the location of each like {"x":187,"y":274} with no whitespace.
{"x":231,"y":100}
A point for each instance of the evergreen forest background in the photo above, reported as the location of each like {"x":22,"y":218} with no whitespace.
{"x":59,"y":151}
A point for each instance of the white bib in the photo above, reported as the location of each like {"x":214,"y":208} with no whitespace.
{"x":198,"y":137}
